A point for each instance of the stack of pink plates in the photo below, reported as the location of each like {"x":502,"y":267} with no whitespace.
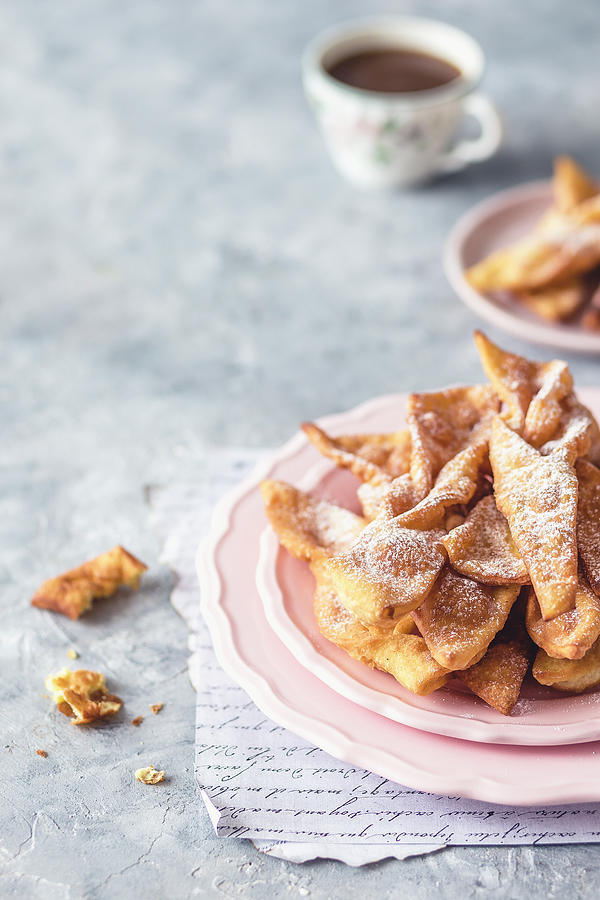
{"x":257,"y":602}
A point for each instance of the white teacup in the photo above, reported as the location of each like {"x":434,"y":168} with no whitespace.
{"x":388,"y":139}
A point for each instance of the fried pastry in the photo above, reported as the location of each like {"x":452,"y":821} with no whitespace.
{"x":442,"y":423}
{"x":73,"y":592}
{"x":571,"y":185}
{"x":370,"y":457}
{"x":557,"y":302}
{"x":400,"y":652}
{"x":455,"y":485}
{"x":538,"y":496}
{"x":459,"y":618}
{"x":388,"y":566}
{"x":570,"y":634}
{"x":498,"y":676}
{"x":530,"y":391}
{"x":82,"y":695}
{"x":588,"y":521}
{"x":308,"y":528}
{"x":572,"y":675}
{"x":482,"y":547}
{"x":490,"y":489}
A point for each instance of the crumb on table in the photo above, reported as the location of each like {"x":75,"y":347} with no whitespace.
{"x":137,"y":721}
{"x":149,"y":775}
{"x":156,"y":708}
{"x":41,"y":753}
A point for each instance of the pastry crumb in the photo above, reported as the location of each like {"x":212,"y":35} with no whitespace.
{"x":82,"y":695}
{"x":41,"y":753}
{"x":137,"y":721}
{"x":156,"y":708}
{"x":149,"y":775}
{"x":72,"y":654}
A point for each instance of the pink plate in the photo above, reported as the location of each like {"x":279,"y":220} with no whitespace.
{"x":542,"y":717}
{"x":295,"y":698}
{"x":489,"y":226}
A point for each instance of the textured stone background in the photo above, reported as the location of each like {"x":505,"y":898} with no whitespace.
{"x":180,"y":267}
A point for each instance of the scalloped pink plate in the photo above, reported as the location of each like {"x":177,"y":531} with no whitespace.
{"x":293,"y":696}
{"x":542,"y":717}
{"x":491,"y":225}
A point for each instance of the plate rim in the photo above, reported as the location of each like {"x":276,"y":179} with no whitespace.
{"x":463,"y":228}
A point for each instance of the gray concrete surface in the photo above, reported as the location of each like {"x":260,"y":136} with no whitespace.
{"x":180,"y":267}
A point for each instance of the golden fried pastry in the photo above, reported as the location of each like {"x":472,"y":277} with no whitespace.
{"x":573,"y":675}
{"x":387,"y":497}
{"x":388,"y":566}
{"x":82,"y":695}
{"x":530,"y":391}
{"x":456,"y":484}
{"x":498,"y":676}
{"x":551,"y":269}
{"x":543,"y":258}
{"x":491,"y":489}
{"x":400,"y":652}
{"x":538,"y":496}
{"x":556,"y":302}
{"x":442,"y":423}
{"x":459,"y":618}
{"x":588,"y":521}
{"x":571,"y":185}
{"x":482,"y":547}
{"x":308,"y":528}
{"x":570,"y":634}
{"x":368,"y":456}
{"x":73,"y":592}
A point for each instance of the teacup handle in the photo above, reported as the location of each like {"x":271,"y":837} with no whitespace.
{"x":482,"y":147}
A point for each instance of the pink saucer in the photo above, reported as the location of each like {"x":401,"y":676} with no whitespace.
{"x":295,"y":698}
{"x":491,"y":225}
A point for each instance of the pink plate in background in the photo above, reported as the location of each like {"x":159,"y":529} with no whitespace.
{"x":295,"y":698}
{"x":541,"y":717}
{"x":491,"y":225}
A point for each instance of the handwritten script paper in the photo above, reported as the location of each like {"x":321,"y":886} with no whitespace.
{"x":261,"y":782}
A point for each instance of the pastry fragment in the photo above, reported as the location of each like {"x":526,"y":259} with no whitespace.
{"x":388,"y":566}
{"x":570,"y":634}
{"x":442,"y":423}
{"x":556,"y":303}
{"x":460,"y":617}
{"x":308,"y":528}
{"x":400,"y":651}
{"x":150,"y":775}
{"x":573,"y":675}
{"x":370,"y":457}
{"x":72,"y":592}
{"x":455,"y":485}
{"x":482,"y":547}
{"x":588,"y":521}
{"x":82,"y":695}
{"x":571,"y":185}
{"x":156,"y":708}
{"x":498,"y":676}
{"x":538,"y":496}
{"x":531,"y":392}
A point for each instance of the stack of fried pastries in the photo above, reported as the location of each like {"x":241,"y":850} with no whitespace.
{"x":478,"y":551}
{"x":554,"y":270}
